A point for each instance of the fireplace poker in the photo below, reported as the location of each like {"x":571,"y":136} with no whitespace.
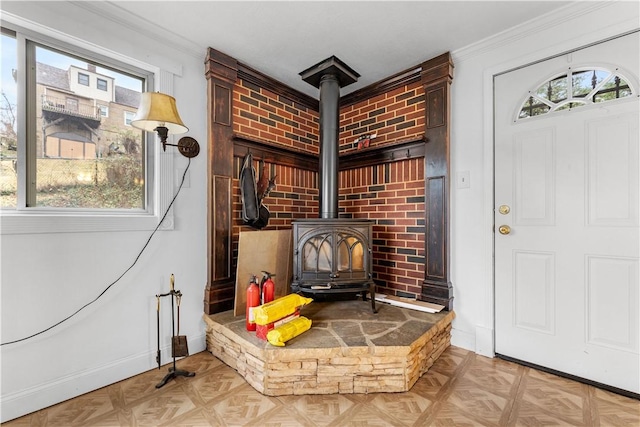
{"x":158,"y":328}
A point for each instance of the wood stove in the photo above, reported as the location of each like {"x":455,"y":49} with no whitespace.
{"x":333,"y":256}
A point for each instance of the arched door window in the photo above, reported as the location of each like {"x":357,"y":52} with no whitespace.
{"x":573,"y":89}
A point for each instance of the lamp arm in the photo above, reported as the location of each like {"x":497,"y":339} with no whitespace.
{"x":187,"y":146}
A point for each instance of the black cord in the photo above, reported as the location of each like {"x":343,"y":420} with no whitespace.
{"x":120,"y":277}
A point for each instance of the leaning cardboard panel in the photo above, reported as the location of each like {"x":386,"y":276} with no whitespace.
{"x":258,"y":251}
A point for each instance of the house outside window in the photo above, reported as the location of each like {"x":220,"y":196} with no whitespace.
{"x":104,"y":110}
{"x":102,"y":84}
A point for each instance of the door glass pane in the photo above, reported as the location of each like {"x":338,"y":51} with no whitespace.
{"x":554,"y":90}
{"x":84,"y":158}
{"x":8,"y":124}
{"x":350,"y":255}
{"x":317,"y":254}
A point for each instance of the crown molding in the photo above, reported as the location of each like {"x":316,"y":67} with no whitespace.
{"x":553,"y":19}
{"x":113,"y":12}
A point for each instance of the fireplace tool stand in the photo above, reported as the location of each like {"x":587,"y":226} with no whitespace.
{"x":173,"y":371}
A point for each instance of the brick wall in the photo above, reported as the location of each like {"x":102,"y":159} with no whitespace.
{"x":275,"y":119}
{"x":393,"y":195}
{"x":393,"y":116}
{"x":260,"y":113}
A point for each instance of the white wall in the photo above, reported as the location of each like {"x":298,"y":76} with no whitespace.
{"x":574,"y":26}
{"x":46,"y":277}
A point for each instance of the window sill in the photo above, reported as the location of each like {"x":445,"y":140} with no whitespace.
{"x":43,"y":223}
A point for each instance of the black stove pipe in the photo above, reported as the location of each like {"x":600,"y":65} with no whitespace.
{"x":329,"y":134}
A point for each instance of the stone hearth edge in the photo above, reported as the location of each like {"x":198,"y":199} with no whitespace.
{"x":326,"y":363}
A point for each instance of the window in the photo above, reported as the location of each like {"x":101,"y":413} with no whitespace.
{"x":72,"y":104}
{"x":573,"y":89}
{"x":128,"y":117}
{"x":102,"y":84}
{"x":8,"y":122}
{"x":65,"y":156}
{"x":83,"y":79}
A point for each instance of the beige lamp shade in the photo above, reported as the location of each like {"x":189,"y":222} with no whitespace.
{"x":158,"y":109}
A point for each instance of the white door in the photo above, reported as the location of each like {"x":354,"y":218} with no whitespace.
{"x":567,"y":184}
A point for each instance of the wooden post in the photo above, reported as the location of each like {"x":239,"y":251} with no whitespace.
{"x":221,"y":72}
{"x":436,"y":77}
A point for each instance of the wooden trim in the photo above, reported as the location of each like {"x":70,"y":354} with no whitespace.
{"x":220,"y":66}
{"x":404,"y":150}
{"x":273,"y":153}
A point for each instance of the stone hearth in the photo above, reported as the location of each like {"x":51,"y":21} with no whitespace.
{"x":348,"y":349}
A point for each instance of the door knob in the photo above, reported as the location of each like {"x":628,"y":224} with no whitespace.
{"x":504,"y":229}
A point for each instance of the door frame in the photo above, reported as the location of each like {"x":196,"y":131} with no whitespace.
{"x":485,"y":330}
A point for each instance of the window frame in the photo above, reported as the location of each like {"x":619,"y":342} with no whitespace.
{"x":106,"y":84}
{"x":127,"y":114}
{"x":558,"y":107}
{"x":80,"y":81}
{"x":158,"y":166}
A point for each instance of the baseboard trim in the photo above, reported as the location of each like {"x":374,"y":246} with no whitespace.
{"x":23,"y":402}
{"x":463,"y":339}
{"x":484,"y":341}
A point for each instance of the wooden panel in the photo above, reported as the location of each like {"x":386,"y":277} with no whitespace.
{"x":221,"y":105}
{"x":436,"y":228}
{"x":219,"y":296}
{"x":221,"y":227}
{"x":258,"y":251}
{"x":436,"y":108}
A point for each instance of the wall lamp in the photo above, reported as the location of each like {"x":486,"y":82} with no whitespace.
{"x":158,"y":113}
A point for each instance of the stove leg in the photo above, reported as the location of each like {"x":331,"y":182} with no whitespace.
{"x":373,"y":300}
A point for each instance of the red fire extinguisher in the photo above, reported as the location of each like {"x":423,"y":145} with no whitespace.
{"x":268,"y":288}
{"x":253,"y":300}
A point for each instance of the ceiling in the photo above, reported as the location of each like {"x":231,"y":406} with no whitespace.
{"x":281,"y":39}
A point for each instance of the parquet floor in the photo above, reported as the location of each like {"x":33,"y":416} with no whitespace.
{"x":462,"y":388}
